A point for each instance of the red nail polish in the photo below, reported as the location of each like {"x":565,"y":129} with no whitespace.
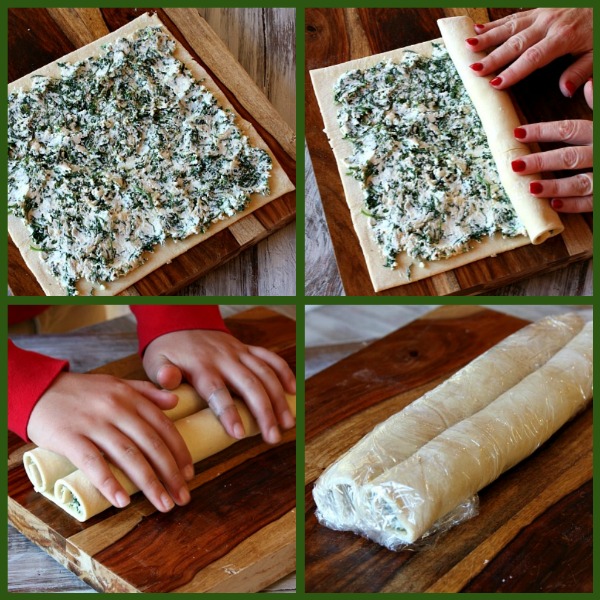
{"x":570,"y":87}
{"x":476,"y":67}
{"x":518,"y":165}
{"x":479,"y":26}
{"x":535,"y":187}
{"x":556,"y":203}
{"x":520,"y":133}
{"x":496,"y":81}
{"x":472,"y":41}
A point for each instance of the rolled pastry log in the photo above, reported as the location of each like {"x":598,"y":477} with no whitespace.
{"x":403,"y":503}
{"x":499,"y":119}
{"x":44,"y":467}
{"x":202,"y":433}
{"x":466,"y":392}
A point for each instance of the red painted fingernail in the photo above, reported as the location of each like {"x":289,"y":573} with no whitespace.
{"x":535,"y":187}
{"x":476,"y":67}
{"x":518,"y":165}
{"x":556,"y":203}
{"x":520,"y":133}
{"x":479,"y":26}
{"x":472,"y":41}
{"x":570,"y":87}
{"x":496,"y":81}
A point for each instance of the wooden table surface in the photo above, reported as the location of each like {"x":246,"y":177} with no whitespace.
{"x":262,"y":40}
{"x":30,"y":569}
{"x":322,"y":276}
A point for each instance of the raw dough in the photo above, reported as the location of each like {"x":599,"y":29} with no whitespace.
{"x":382,"y":277}
{"x":469,"y":390}
{"x":499,"y":119}
{"x":279,"y":181}
{"x":403,"y":503}
{"x":204,"y":436}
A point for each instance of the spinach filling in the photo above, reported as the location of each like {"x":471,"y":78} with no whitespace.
{"x":430,"y":184}
{"x":120,"y":153}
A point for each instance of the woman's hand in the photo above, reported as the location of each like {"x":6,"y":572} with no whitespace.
{"x":531,"y":39}
{"x":213,"y":361}
{"x":92,"y":418}
{"x":569,"y":194}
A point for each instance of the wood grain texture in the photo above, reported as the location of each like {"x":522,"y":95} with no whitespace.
{"x":264,"y":41}
{"x":239,"y":527}
{"x":512,"y":545}
{"x":336,"y":35}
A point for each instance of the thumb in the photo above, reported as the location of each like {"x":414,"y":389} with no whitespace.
{"x":162,"y":398}
{"x":576,"y":75}
{"x":162,"y":371}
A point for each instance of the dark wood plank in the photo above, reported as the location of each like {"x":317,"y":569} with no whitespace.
{"x":333,"y":36}
{"x":524,"y":516}
{"x":395,"y":364}
{"x":36,"y":39}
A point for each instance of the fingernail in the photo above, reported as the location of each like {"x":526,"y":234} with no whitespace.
{"x":590,"y":80}
{"x":238,"y":431}
{"x":556,"y":203}
{"x":188,"y":472}
{"x":479,"y":26}
{"x":288,"y":419}
{"x":274,"y":435}
{"x":476,"y":67}
{"x":122,"y":499}
{"x":184,"y":495}
{"x":472,"y":41}
{"x":519,"y":133}
{"x":535,"y":187}
{"x":166,"y":502}
{"x":570,"y":87}
{"x":518,"y":165}
{"x":496,"y":81}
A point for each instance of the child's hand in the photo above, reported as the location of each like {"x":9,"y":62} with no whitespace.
{"x":212,"y":361}
{"x":84,"y":417}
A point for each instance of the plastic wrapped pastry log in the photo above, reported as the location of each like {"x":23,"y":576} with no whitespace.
{"x":466,"y":392}
{"x":404,"y":503}
{"x":202,"y":433}
{"x":44,"y":467}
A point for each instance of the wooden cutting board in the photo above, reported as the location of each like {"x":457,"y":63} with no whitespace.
{"x":334,"y":36}
{"x":37,"y":37}
{"x":237,"y":534}
{"x":534,"y":529}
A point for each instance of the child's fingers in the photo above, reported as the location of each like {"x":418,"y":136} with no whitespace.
{"x":126,"y":454}
{"x":280,"y":366}
{"x":162,"y":398}
{"x":170,"y":443}
{"x":221,"y":403}
{"x":273,"y":387}
{"x":86,"y":456}
{"x":161,"y":370}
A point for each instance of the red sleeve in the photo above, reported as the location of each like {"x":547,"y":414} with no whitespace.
{"x":29,"y":376}
{"x":17,"y":314}
{"x":154,"y":321}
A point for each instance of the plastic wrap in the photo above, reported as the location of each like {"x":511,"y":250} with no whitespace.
{"x":373,"y":488}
